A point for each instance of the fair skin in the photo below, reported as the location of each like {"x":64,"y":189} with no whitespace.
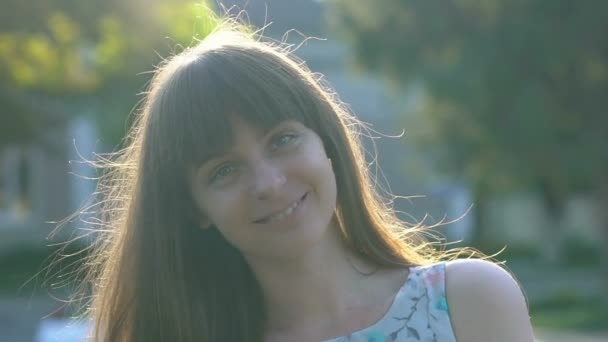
{"x":312,"y":288}
{"x":272,"y":194}
{"x":486,"y":303}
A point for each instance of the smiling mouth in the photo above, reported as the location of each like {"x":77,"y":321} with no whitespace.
{"x":283,"y":214}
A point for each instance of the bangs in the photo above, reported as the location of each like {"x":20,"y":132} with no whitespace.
{"x":209,"y":93}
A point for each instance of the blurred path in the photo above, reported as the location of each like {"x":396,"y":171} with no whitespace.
{"x":20,"y":317}
{"x":560,"y":336}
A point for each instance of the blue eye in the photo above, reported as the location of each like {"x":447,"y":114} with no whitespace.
{"x":283,"y":140}
{"x":222,"y":172}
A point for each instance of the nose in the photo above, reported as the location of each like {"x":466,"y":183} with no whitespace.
{"x":267,"y":179}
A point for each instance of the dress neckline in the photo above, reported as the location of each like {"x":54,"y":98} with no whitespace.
{"x":389,"y":312}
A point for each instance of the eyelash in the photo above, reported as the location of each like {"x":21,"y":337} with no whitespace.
{"x":292,"y":138}
{"x":216,"y":174}
{"x":277,"y":143}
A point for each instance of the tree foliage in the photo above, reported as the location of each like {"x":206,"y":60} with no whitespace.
{"x":516,"y":89}
{"x":87,"y":54}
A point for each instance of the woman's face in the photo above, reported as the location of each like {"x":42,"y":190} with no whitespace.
{"x":272,"y":193}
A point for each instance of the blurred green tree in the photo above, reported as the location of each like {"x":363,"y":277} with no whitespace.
{"x":516,"y":89}
{"x":61,"y":56}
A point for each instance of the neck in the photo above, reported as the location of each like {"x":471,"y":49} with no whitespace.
{"x":316,"y":291}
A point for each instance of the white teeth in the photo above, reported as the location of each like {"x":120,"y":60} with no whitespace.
{"x":283,"y":214}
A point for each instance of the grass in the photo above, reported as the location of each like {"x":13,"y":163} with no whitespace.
{"x":575,"y":253}
{"x":566,"y":311}
{"x":29,"y":270}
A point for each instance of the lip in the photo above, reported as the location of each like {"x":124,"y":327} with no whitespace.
{"x":297,"y":203}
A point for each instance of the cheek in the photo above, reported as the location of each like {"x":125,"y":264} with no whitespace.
{"x":317,"y":169}
{"x":223,"y":209}
{"x":330,"y":185}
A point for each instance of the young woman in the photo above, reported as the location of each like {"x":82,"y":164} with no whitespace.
{"x":242,"y":210}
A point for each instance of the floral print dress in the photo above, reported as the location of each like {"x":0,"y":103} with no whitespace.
{"x":418,"y":313}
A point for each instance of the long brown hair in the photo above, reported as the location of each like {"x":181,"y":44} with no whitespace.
{"x":156,"y":275}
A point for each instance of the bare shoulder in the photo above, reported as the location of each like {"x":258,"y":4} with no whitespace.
{"x":486,"y":303}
